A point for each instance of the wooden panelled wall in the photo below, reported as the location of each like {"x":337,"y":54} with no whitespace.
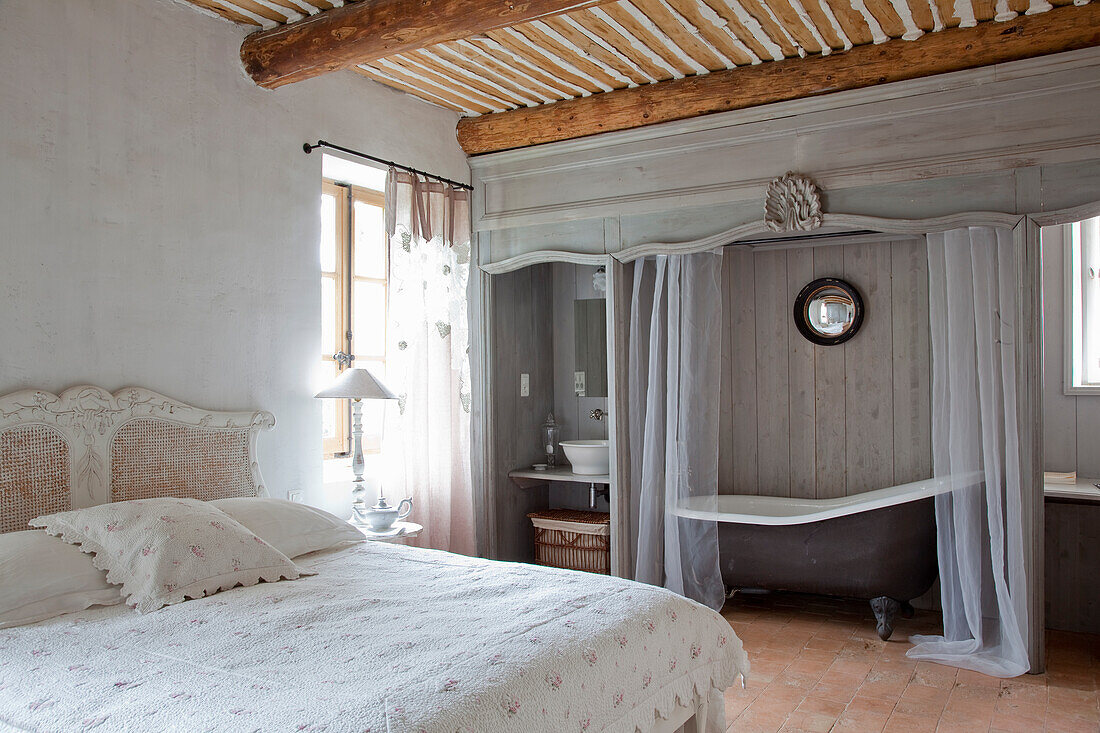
{"x":522,"y":343}
{"x":1072,"y":557}
{"x":812,"y":421}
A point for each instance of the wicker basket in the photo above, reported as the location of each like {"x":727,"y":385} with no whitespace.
{"x":575,"y":540}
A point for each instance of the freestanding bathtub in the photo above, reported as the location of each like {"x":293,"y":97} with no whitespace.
{"x":879,"y":545}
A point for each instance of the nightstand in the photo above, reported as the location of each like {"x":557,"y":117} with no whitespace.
{"x":400,"y":531}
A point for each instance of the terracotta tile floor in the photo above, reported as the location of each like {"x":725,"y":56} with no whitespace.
{"x":818,"y":665}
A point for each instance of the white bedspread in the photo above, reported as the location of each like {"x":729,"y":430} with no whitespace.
{"x":383,"y":639}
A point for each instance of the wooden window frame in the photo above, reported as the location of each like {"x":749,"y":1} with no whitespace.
{"x":344,"y":277}
{"x":340,"y":443}
{"x":371,"y":198}
{"x":1080,"y":310}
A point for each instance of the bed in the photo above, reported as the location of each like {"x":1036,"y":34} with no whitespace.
{"x":379,"y":638}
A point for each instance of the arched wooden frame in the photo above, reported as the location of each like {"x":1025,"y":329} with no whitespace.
{"x":1029,"y":347}
{"x":839,"y":224}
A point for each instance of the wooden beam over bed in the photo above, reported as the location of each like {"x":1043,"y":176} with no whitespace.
{"x":1061,"y":29}
{"x":371,"y":29}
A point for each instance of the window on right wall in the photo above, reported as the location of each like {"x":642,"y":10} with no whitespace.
{"x":1082,"y":260}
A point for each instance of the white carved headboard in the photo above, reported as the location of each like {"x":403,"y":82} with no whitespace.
{"x":87,"y":447}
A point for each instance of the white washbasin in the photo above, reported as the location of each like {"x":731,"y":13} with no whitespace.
{"x":588,"y":457}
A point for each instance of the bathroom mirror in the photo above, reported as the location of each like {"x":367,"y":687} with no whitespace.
{"x":590,"y":372}
{"x":828,"y":311}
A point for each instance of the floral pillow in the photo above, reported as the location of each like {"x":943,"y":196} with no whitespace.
{"x":163,"y":551}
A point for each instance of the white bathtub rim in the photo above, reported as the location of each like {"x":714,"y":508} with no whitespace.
{"x":781,"y":510}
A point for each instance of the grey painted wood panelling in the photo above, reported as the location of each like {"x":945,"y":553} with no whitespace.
{"x":831,"y":430}
{"x":739,"y":305}
{"x":868,"y":399}
{"x":802,"y":381}
{"x":773,"y":465}
{"x":570,"y":236}
{"x":1072,"y":557}
{"x":523,"y":344}
{"x":824,"y":421}
{"x":908,"y":150}
{"x":910,"y":360}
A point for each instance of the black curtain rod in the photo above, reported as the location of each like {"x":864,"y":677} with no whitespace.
{"x":388,"y":163}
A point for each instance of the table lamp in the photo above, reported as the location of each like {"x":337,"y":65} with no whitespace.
{"x":358,"y":385}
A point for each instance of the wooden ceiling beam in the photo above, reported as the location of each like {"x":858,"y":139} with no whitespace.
{"x":365,"y":31}
{"x":1061,"y":29}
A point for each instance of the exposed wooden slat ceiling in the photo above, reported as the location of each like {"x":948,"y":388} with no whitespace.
{"x":635,"y":42}
{"x":266,"y":13}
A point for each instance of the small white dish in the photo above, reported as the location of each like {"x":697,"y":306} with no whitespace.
{"x":391,"y":532}
{"x":539,"y":466}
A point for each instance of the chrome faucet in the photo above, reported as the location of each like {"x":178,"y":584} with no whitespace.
{"x":598,"y":414}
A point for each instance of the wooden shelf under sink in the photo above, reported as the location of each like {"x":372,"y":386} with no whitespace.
{"x":525,"y":478}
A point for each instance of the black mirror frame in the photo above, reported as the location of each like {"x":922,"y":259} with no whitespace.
{"x":800,"y":311}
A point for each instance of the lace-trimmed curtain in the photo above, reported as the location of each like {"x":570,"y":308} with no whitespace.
{"x":427,"y":444}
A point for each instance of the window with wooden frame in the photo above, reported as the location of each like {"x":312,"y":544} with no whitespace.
{"x":1082,"y":284}
{"x":354,"y":283}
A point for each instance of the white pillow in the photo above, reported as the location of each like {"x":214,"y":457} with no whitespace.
{"x":288,"y":526}
{"x":164,"y":551}
{"x":42,"y":577}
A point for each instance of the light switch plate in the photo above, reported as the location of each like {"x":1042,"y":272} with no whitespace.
{"x":296,"y":495}
{"x":579,"y":384}
{"x":525,"y":385}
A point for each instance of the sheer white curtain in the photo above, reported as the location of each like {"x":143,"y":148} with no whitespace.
{"x":675,"y":352}
{"x":427,"y":443}
{"x":972,"y":305}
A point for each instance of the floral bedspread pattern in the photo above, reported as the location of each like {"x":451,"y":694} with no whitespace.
{"x":383,"y":639}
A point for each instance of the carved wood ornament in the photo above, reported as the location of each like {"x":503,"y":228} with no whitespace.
{"x":793,"y":204}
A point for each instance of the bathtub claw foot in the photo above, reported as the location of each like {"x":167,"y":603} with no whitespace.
{"x":885,"y":609}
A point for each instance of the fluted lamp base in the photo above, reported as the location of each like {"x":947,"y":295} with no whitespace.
{"x":357,"y":385}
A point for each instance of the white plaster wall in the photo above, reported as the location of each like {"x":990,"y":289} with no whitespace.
{"x":158,"y":219}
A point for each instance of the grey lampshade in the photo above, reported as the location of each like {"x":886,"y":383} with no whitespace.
{"x":357,"y":384}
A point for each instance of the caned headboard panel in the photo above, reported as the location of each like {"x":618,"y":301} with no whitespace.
{"x":151,"y":457}
{"x":88,"y":446}
{"x":35,"y":470}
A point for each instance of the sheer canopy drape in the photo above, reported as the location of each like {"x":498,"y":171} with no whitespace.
{"x":975,"y":442}
{"x":675,"y":351}
{"x":427,"y":443}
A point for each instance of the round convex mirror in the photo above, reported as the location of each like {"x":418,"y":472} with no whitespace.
{"x":828,"y":311}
